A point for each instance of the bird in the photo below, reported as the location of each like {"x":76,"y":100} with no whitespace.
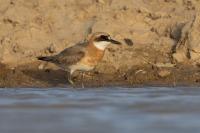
{"x":83,"y":56}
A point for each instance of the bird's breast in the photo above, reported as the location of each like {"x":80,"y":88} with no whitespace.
{"x":90,"y":61}
{"x":93,"y":55}
{"x":87,"y":63}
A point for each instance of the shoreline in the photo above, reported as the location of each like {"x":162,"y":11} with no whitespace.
{"x":31,"y":76}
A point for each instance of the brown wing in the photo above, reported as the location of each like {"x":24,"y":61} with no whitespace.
{"x":70,"y":55}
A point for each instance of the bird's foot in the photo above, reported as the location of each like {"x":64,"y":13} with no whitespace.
{"x":71,"y":81}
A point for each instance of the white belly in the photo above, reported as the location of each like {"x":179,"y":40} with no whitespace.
{"x":81,"y":67}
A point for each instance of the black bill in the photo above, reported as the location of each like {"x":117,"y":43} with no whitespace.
{"x":115,"y":42}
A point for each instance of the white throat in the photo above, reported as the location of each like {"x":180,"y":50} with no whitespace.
{"x":101,"y":45}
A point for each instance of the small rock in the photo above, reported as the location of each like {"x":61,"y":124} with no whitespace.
{"x":176,"y":31}
{"x":166,"y":65}
{"x":164,"y":73}
{"x":125,"y":8}
{"x":140,"y":71}
{"x":51,"y":49}
{"x":128,"y":41}
{"x":16,"y":48}
{"x":41,"y":67}
{"x":101,"y":1}
{"x":180,"y":56}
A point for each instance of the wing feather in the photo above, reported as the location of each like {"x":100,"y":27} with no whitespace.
{"x":70,"y":55}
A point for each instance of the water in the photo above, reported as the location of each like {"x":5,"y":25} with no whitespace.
{"x":103,"y":110}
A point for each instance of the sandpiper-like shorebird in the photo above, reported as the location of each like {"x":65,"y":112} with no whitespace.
{"x":82,"y":57}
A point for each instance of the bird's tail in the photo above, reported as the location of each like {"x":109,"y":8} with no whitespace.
{"x":45,"y":58}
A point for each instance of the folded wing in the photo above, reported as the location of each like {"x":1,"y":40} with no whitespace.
{"x":67,"y":57}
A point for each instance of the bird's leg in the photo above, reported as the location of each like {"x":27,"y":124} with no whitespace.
{"x":69,"y":78}
{"x":82,"y":77}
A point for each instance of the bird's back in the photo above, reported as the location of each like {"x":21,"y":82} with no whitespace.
{"x":68,"y":56}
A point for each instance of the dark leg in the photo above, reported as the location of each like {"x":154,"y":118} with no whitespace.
{"x":82,"y":77}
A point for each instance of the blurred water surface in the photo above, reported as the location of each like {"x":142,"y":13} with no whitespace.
{"x":102,"y":110}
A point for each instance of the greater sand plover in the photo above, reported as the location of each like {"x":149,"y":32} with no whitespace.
{"x":82,"y":57}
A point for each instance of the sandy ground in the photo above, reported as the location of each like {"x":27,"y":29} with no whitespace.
{"x":165,"y":35}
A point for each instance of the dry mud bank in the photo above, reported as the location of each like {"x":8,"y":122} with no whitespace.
{"x":165,"y":35}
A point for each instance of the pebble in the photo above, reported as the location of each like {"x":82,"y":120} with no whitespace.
{"x":101,"y":1}
{"x":128,"y":41}
{"x":164,"y":73}
{"x":52,"y":49}
{"x":41,"y":66}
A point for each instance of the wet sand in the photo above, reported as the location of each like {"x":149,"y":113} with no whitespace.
{"x":31,"y":76}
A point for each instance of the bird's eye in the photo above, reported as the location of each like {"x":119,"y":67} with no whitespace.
{"x":105,"y":38}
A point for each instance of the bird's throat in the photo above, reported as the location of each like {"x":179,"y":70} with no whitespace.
{"x":102,"y":45}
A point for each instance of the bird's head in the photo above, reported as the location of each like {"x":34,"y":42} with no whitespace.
{"x":101,"y":40}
